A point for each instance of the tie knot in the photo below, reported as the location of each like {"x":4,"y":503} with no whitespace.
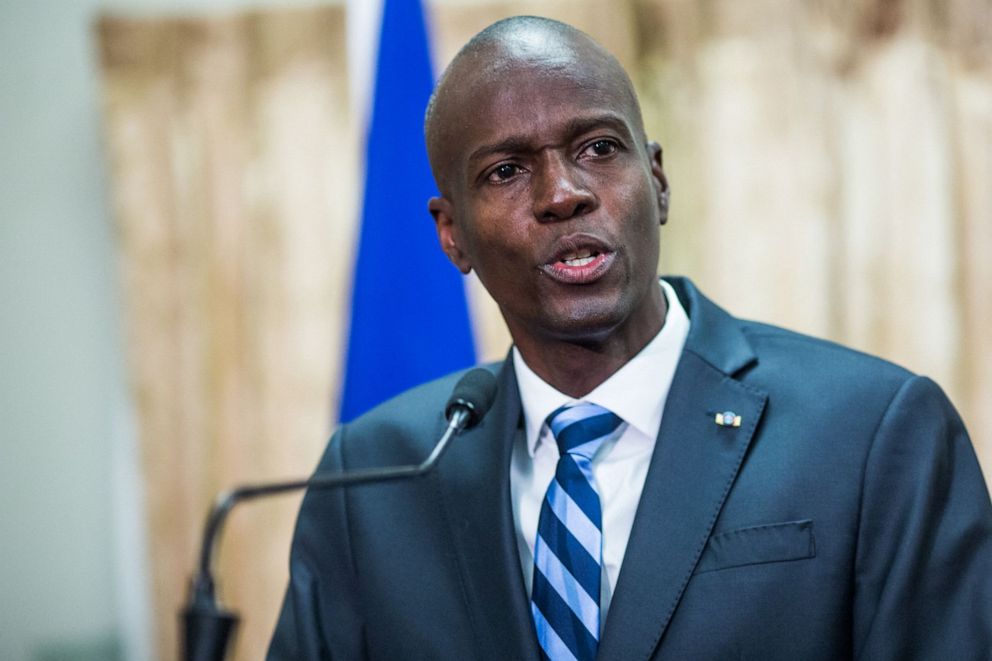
{"x":579,"y":429}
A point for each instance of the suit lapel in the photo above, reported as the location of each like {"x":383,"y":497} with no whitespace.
{"x":474,"y":482}
{"x":692,"y":469}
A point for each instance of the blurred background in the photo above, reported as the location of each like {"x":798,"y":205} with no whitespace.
{"x":179,"y":220}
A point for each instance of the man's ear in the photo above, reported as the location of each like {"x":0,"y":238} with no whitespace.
{"x":448,"y":233}
{"x":659,"y":179}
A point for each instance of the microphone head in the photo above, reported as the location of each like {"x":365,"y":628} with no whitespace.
{"x":475,"y":392}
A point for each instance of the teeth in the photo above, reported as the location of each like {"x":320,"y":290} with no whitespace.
{"x":578,"y":261}
{"x":578,"y":258}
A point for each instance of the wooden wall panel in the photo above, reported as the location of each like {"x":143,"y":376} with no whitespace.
{"x":233,"y":161}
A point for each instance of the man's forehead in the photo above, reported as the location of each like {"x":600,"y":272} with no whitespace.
{"x":504,"y":80}
{"x":532,"y":86}
{"x":541,"y":101}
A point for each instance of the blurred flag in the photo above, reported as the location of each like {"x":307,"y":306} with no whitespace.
{"x":409,"y":320}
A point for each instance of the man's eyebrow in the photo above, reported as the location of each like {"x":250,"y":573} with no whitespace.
{"x":575,"y":127}
{"x":509,"y":146}
{"x":581,"y":125}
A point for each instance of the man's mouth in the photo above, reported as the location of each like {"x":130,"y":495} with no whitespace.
{"x":579,"y":260}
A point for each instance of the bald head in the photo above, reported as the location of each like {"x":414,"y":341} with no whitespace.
{"x":531,"y":45}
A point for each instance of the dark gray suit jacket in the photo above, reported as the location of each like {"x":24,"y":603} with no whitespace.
{"x":845,"y":518}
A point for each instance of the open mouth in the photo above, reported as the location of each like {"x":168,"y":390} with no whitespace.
{"x":579,"y":260}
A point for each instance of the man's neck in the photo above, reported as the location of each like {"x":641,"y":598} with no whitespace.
{"x":577,"y":366}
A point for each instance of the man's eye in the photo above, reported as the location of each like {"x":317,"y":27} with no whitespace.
{"x":504,"y":172}
{"x":601,"y":148}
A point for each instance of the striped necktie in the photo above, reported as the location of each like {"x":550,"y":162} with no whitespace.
{"x":568,"y":552}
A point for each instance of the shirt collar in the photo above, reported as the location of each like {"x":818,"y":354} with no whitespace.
{"x":636,"y":392}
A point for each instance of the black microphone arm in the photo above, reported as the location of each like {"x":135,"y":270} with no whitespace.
{"x":206,"y":626}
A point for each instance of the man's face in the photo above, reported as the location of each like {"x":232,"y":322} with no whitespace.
{"x":555,"y":201}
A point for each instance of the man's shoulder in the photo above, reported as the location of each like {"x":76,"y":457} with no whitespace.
{"x":809,"y":353}
{"x":777,"y":355}
{"x":811,"y":374}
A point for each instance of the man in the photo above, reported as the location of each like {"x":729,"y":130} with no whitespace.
{"x":656,"y":479}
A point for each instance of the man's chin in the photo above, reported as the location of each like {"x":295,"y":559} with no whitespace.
{"x":595,"y":320}
{"x":585,"y":325}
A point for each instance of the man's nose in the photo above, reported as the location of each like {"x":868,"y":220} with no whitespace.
{"x":560,"y":192}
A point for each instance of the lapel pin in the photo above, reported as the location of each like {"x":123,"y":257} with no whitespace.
{"x":728,"y":419}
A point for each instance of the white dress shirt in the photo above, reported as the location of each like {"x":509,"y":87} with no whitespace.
{"x":637,"y":393}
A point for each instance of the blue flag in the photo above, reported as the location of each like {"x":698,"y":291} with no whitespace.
{"x":409,"y":319}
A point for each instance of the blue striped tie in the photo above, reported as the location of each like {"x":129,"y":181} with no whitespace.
{"x":568,"y":553}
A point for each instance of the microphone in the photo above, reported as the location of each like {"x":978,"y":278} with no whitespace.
{"x":472,"y":396}
{"x":206,"y":626}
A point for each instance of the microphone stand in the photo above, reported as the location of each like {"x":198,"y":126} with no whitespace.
{"x":207,"y":627}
